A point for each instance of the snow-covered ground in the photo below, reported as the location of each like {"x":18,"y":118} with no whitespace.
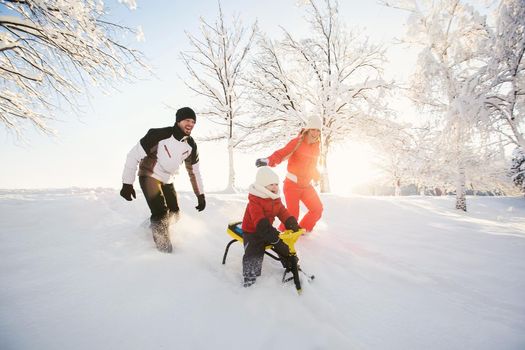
{"x":79,"y":270}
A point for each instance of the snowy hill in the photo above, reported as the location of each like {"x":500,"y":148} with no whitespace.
{"x":79,"y":271}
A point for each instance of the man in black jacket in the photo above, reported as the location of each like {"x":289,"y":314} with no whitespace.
{"x":158,"y":155}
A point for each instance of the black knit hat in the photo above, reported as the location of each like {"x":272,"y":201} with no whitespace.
{"x":185,"y":113}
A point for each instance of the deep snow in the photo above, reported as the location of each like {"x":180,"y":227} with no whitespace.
{"x":79,"y":270}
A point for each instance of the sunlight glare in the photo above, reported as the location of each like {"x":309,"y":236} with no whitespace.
{"x":351,"y":166}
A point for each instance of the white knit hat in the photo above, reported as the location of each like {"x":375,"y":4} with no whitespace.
{"x":314,"y":122}
{"x":266,"y":176}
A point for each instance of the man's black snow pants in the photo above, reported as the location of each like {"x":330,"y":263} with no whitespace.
{"x":161,"y":199}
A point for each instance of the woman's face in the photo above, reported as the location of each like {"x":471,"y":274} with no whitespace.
{"x":314,"y":133}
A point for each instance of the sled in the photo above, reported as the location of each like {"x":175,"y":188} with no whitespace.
{"x":289,"y":237}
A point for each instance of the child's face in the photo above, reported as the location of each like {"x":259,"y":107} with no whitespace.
{"x":273,"y":188}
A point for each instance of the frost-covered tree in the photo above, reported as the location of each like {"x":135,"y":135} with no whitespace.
{"x":488,"y":169}
{"x":453,"y":36}
{"x":333,"y":73}
{"x":395,"y":149}
{"x":420,"y":158}
{"x":50,"y":50}
{"x":275,"y":93}
{"x":505,"y":73}
{"x":517,"y":169}
{"x":416,"y":156}
{"x":216,"y":65}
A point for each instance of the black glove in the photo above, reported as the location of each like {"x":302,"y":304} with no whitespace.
{"x":261,"y":162}
{"x":266,"y":231}
{"x":127,"y":192}
{"x":291,"y":224}
{"x":201,"y":202}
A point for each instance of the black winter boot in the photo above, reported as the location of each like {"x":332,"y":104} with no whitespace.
{"x":161,"y":236}
{"x":249,"y":280}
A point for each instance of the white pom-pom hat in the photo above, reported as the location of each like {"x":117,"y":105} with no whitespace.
{"x":314,"y":122}
{"x":266,"y":176}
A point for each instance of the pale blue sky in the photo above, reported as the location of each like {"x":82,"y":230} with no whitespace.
{"x":90,"y":150}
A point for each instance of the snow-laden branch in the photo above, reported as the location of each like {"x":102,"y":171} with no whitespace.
{"x":332,"y":72}
{"x":47,"y":51}
{"x":216,"y":67}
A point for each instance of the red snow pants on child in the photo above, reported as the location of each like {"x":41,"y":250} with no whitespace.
{"x":293,"y":193}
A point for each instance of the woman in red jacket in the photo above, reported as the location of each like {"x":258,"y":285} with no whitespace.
{"x":302,"y":154}
{"x":264,"y":204}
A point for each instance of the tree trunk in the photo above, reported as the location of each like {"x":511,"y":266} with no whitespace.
{"x":325,"y":181}
{"x":397,"y":187}
{"x":514,"y":124}
{"x":461,"y":200}
{"x":231,"y":171}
